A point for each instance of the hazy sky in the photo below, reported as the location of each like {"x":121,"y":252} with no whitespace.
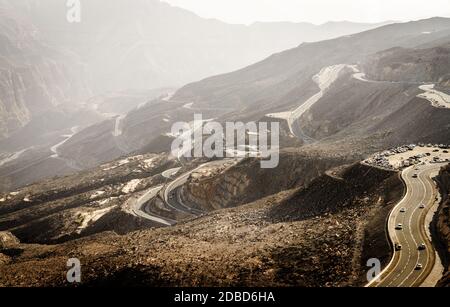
{"x":315,"y":11}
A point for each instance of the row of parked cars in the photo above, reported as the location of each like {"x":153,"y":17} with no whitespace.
{"x":381,"y":159}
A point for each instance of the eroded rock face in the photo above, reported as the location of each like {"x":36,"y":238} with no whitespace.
{"x":443,"y":222}
{"x":7,"y":240}
{"x":246,"y":181}
{"x":33,"y":76}
{"x":216,"y":193}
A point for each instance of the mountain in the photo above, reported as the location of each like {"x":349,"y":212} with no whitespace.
{"x":57,"y":77}
{"x":277,"y":80}
{"x":281,"y":239}
{"x":412,"y":65}
{"x":348,"y":112}
{"x":34,"y":77}
{"x":150,"y":44}
{"x":138,"y":216}
{"x":280,"y":83}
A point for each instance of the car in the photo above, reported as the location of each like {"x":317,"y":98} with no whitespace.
{"x":422,"y":247}
{"x":419,"y":267}
{"x":403,"y":210}
{"x":422,"y":206}
{"x":415,"y":176}
{"x":399,"y":227}
{"x":398,"y":247}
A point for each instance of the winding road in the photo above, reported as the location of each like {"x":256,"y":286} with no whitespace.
{"x":410,"y":265}
{"x":170,"y":194}
{"x":324,"y":79}
{"x":137,"y":208}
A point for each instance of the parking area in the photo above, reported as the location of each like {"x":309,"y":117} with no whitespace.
{"x":414,"y":154}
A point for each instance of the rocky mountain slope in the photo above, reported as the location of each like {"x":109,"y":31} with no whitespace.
{"x":275,"y":241}
{"x":34,"y":78}
{"x":350,"y":108}
{"x":96,"y":200}
{"x":275,"y":82}
{"x":411,"y":65}
{"x":57,"y":77}
{"x":443,"y":224}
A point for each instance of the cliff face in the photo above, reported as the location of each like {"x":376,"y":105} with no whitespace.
{"x":14,"y":114}
{"x":33,"y":77}
{"x":247,"y":182}
{"x":443,"y":223}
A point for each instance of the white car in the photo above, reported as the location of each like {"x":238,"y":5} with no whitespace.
{"x":422,"y":247}
{"x":422,"y":206}
{"x":399,"y":227}
{"x":419,"y":267}
{"x":403,"y":210}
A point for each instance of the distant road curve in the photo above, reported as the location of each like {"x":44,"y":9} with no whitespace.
{"x":137,"y":205}
{"x":324,"y":79}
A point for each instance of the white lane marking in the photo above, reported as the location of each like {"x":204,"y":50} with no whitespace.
{"x":407,"y":241}
{"x":426,"y":239}
{"x":392,"y":236}
{"x":408,"y":183}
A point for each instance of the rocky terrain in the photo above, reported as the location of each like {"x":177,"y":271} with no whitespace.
{"x":351,"y":111}
{"x":246,"y":182}
{"x":295,"y":237}
{"x":443,"y":223}
{"x":314,"y":220}
{"x":34,"y":77}
{"x":69,"y":207}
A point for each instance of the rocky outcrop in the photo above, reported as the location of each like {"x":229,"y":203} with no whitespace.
{"x":8,"y":243}
{"x":7,"y":240}
{"x":33,"y":76}
{"x":442,"y":222}
{"x":247,"y":181}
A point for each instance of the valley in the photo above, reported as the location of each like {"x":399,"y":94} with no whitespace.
{"x":358,"y":116}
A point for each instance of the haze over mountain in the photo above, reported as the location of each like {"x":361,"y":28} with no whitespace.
{"x":59,"y":77}
{"x":149,"y":44}
{"x":283,"y":82}
{"x":86,"y":169}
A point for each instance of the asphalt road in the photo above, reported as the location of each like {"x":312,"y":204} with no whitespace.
{"x":402,"y":271}
{"x":137,"y":208}
{"x":171,"y":192}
